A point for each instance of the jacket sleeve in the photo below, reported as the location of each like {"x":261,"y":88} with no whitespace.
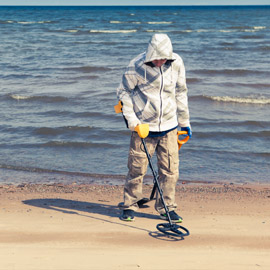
{"x":125,"y":92}
{"x":181,"y":96}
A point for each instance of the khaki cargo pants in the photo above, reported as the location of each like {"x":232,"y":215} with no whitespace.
{"x":166,"y":149}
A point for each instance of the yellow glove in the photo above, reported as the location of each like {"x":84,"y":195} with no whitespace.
{"x":142,"y":130}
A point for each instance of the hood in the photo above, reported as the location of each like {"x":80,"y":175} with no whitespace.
{"x":159,"y":47}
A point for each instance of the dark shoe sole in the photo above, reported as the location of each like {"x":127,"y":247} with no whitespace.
{"x":174,"y":221}
{"x":129,"y":219}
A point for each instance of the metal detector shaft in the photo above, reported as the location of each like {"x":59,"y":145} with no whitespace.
{"x":156,"y":182}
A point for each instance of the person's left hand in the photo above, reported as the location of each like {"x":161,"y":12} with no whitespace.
{"x":188,"y":129}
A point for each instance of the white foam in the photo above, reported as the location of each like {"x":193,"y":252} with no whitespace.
{"x":40,"y":22}
{"x":250,"y":100}
{"x":250,"y":30}
{"x":18,"y":97}
{"x":159,"y":22}
{"x":259,"y":27}
{"x":44,"y":22}
{"x":226,"y":31}
{"x":26,"y":22}
{"x":72,"y":31}
{"x":203,"y":30}
{"x":113,"y":31}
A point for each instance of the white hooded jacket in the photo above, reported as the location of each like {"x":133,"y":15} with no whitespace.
{"x":155,"y":95}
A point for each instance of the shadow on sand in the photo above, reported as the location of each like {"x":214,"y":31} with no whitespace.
{"x":85,"y":208}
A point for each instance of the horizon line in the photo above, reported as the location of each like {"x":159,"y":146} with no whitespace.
{"x":201,"y":5}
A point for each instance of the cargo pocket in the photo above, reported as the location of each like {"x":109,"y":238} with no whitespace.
{"x":137,"y":164}
{"x":173,"y":162}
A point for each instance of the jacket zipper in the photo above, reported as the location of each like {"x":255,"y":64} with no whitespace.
{"x":160,"y":95}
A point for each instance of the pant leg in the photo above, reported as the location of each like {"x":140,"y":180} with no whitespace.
{"x":137,"y":168}
{"x":168,"y":170}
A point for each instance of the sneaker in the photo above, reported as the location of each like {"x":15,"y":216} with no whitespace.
{"x":174,"y":217}
{"x":127,"y":215}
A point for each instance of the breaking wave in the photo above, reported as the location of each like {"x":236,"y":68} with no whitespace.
{"x":113,"y":31}
{"x":228,"y":99}
{"x":250,"y":100}
{"x":47,"y":99}
{"x":25,"y":22}
{"x":159,"y":22}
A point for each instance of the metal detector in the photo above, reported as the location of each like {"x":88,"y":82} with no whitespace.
{"x":170,"y":228}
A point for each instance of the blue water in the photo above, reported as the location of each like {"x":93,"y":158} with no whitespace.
{"x":60,"y":67}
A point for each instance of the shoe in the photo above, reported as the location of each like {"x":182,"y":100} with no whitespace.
{"x":174,"y":217}
{"x":127,"y":215}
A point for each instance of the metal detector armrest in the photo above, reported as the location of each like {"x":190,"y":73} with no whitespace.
{"x":118,"y":107}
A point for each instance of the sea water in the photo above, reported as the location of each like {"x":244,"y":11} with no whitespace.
{"x":60,"y":67}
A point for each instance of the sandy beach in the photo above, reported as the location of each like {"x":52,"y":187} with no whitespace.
{"x":70,"y":227}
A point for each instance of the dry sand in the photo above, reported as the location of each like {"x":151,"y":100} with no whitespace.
{"x":71,"y":227}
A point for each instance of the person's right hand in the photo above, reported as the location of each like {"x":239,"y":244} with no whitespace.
{"x":188,"y":129}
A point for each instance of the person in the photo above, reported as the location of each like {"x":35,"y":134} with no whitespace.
{"x":153,"y":91}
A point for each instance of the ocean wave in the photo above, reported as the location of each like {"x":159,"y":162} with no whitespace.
{"x":249,"y":125}
{"x":259,"y":27}
{"x":92,"y":31}
{"x":89,"y":77}
{"x":157,"y":31}
{"x":47,"y":99}
{"x":113,"y":31}
{"x":6,"y":22}
{"x":20,"y":76}
{"x":228,"y":30}
{"x":256,"y":27}
{"x":71,"y":144}
{"x":19,"y":97}
{"x":116,"y":22}
{"x":137,"y":22}
{"x":264,"y":48}
{"x":159,"y":22}
{"x":72,"y":31}
{"x":248,"y":85}
{"x":231,"y":72}
{"x":233,"y":152}
{"x":247,"y":100}
{"x":126,"y":31}
{"x":186,"y":31}
{"x":79,"y":115}
{"x":75,"y":132}
{"x":193,"y":80}
{"x":239,"y":135}
{"x":227,"y":99}
{"x":87,"y":69}
{"x":120,"y":22}
{"x":34,"y":22}
{"x":47,"y":131}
